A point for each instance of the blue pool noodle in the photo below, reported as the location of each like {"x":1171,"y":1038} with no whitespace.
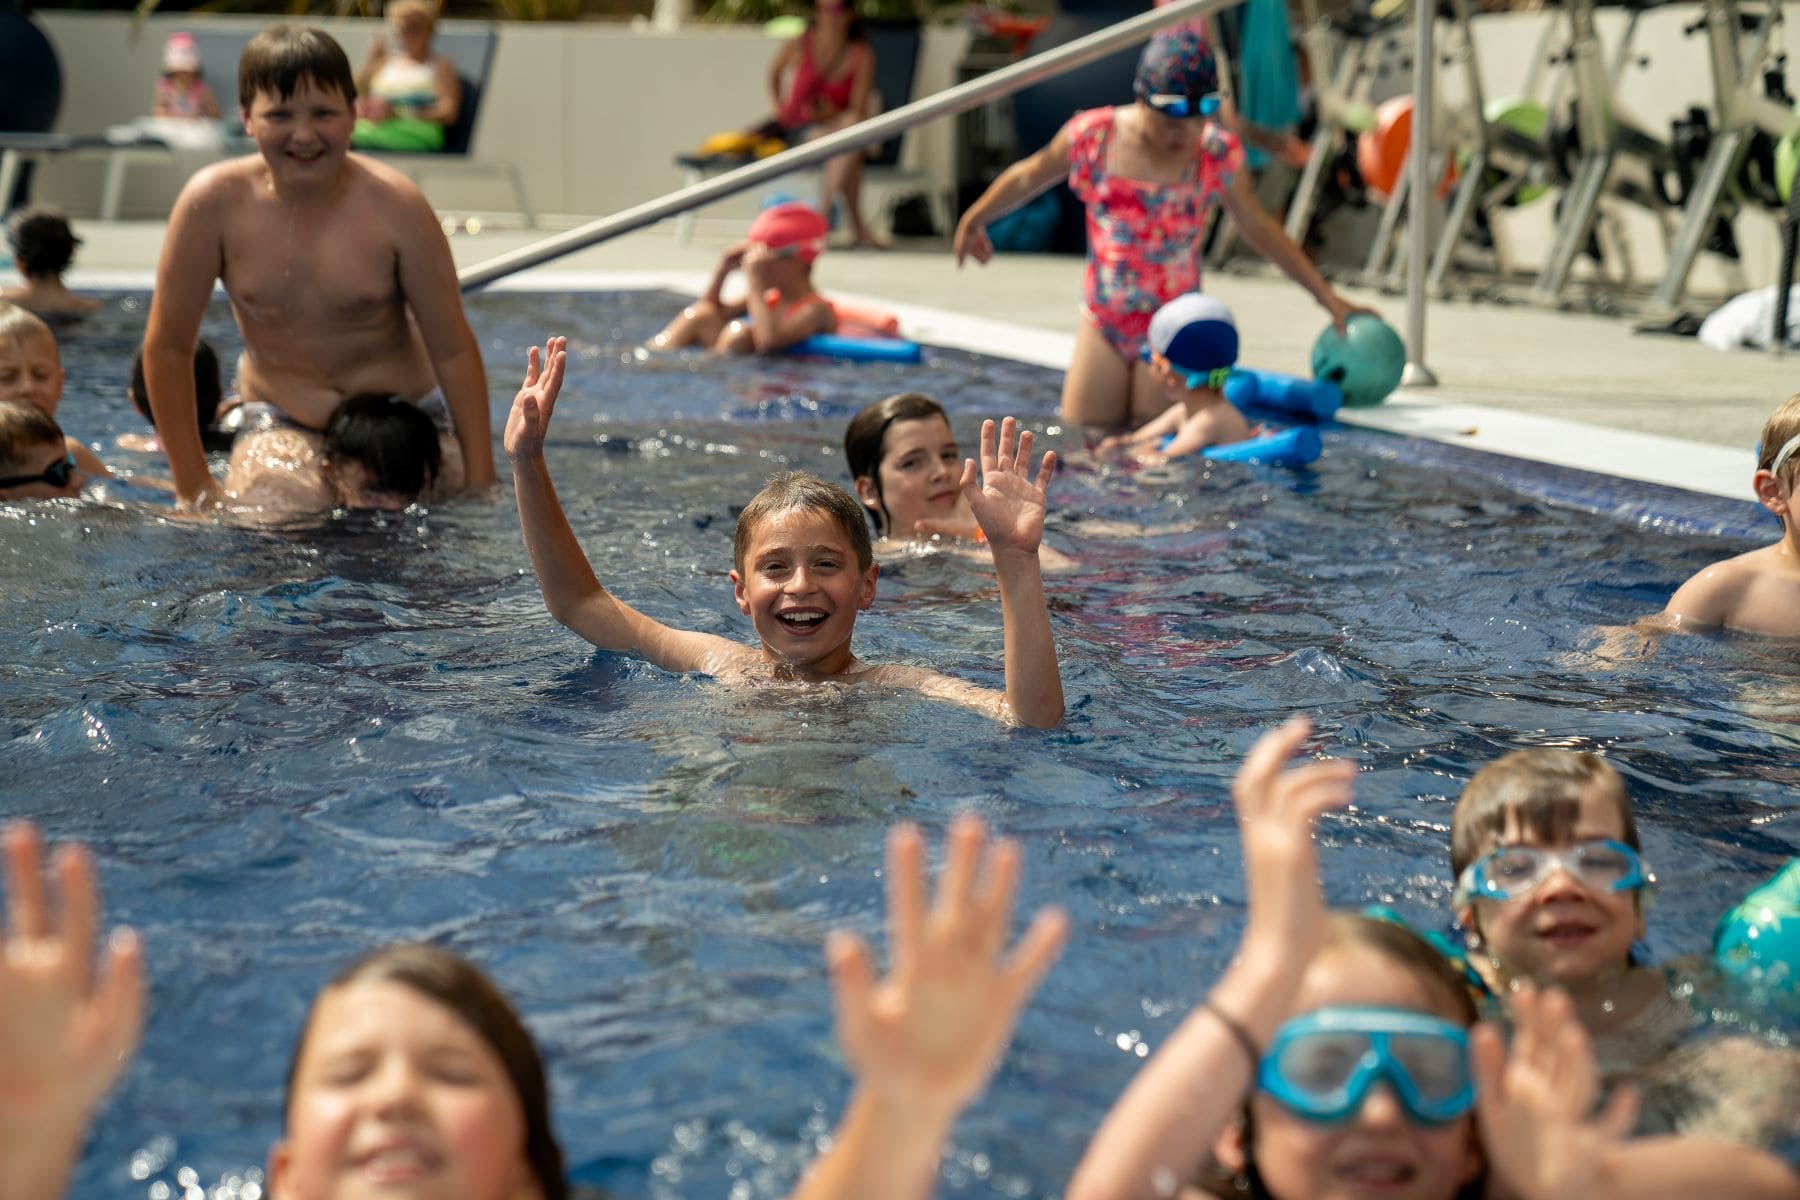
{"x":1293,"y":447}
{"x":859,"y":349}
{"x":1313,"y":399}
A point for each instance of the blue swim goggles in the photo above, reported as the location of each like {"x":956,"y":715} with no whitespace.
{"x":1510,"y":872}
{"x":1181,"y":107}
{"x":57,"y":475}
{"x":1321,"y":1066}
{"x":1195,"y":380}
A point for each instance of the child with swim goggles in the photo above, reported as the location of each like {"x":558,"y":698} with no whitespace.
{"x":1757,"y":592}
{"x":1334,"y":1058}
{"x":1193,"y":344}
{"x":1148,"y":173}
{"x":803,"y":568}
{"x":1551,"y":888}
{"x":414,"y":1076}
{"x":781,"y":306}
{"x":35,"y":463}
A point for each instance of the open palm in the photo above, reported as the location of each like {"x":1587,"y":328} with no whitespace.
{"x":928,"y":1036}
{"x":531,"y":408}
{"x":1008,"y":503}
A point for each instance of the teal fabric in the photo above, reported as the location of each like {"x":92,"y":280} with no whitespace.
{"x":1270,"y":95}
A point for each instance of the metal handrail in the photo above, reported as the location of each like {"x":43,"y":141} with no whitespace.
{"x":960,"y":98}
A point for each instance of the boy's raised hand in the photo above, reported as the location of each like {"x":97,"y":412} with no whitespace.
{"x":65,"y":1032}
{"x":531,"y":408}
{"x":1277,"y":810}
{"x":1008,"y":503}
{"x":1536,"y":1102}
{"x":926,"y":1038}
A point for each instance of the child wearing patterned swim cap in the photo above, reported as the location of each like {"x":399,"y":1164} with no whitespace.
{"x":781,"y":306}
{"x":1149,"y":173}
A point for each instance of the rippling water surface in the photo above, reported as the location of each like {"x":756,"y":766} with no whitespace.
{"x":286,"y":749}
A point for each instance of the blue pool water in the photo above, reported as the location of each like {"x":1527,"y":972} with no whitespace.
{"x":286,"y":749}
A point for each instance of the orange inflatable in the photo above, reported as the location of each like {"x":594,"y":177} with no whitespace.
{"x":1381,"y":151}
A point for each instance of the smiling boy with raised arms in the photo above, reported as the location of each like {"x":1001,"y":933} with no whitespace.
{"x":803,"y":570}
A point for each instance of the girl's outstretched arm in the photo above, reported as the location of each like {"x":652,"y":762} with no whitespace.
{"x":1268,"y":238}
{"x":65,"y":1032}
{"x":924,"y":1040}
{"x":571,"y":591}
{"x":1161,"y":1132}
{"x":1014,"y":186}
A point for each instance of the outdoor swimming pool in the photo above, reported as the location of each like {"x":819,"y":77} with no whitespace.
{"x":286,"y":749}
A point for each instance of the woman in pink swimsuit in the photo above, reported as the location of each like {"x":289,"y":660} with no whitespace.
{"x":822,"y":81}
{"x":1147,"y":172}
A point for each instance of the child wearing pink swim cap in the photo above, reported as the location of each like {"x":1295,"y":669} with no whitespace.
{"x":780,"y":308}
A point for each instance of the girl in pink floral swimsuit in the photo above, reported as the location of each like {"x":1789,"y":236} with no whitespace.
{"x":1147,"y":172}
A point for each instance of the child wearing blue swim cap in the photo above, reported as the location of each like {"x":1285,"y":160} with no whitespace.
{"x":1193,"y":344}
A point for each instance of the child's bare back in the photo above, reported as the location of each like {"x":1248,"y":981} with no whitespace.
{"x":1757,"y":592}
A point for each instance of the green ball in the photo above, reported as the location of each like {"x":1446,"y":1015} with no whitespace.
{"x":1366,"y":362}
{"x":1525,"y":117}
{"x":1787,"y":159}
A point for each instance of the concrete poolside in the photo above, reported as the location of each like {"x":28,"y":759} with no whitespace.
{"x":1511,"y":378}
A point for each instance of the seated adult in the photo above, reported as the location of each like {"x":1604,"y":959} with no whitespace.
{"x":822,"y":81}
{"x":406,"y":97}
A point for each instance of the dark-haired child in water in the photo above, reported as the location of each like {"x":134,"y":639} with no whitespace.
{"x":803,"y":568}
{"x":781,"y":306}
{"x":43,"y":247}
{"x":35,"y":463}
{"x":376,"y":452}
{"x":209,"y":395}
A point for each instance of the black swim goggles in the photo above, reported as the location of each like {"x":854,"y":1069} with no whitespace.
{"x":1181,"y":107}
{"x":57,"y":475}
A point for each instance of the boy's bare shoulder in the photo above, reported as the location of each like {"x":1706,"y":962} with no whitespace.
{"x":374,"y":180}
{"x":1757,"y":591}
{"x":226,"y":178}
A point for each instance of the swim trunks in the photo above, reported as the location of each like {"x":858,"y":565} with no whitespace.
{"x":1143,"y":238}
{"x":256,"y":416}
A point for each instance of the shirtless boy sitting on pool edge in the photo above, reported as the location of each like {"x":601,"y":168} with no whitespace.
{"x":338,"y":274}
{"x":803,"y":569}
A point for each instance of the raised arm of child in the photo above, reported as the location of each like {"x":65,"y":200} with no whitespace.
{"x":773,"y":328}
{"x":1009,"y":505}
{"x":1015,"y":185}
{"x":1547,"y":1137}
{"x":924,"y":1041}
{"x":571,"y":592}
{"x":1163,"y":1127}
{"x":66,"y":1033}
{"x":428,"y":280}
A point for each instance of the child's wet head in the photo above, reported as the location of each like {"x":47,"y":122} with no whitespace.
{"x":31,"y":370}
{"x":415,"y":1022}
{"x":280,"y":59}
{"x":868,"y":446}
{"x":793,"y":491}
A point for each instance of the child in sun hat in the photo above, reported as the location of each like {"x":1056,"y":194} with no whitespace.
{"x":1193,"y":344}
{"x":181,"y":92}
{"x":780,"y":308}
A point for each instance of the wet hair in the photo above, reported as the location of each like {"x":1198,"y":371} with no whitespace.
{"x":279,"y":58}
{"x":793,"y":490}
{"x":868,"y":430}
{"x":18,"y":323}
{"x":209,"y":388}
{"x":1782,"y":425}
{"x":24,"y":428}
{"x":460,"y":987}
{"x":1541,"y":789}
{"x":1412,"y":954}
{"x":393,"y":441}
{"x":42,"y":242}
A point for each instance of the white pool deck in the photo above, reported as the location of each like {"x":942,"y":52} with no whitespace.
{"x":1570,"y":389}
